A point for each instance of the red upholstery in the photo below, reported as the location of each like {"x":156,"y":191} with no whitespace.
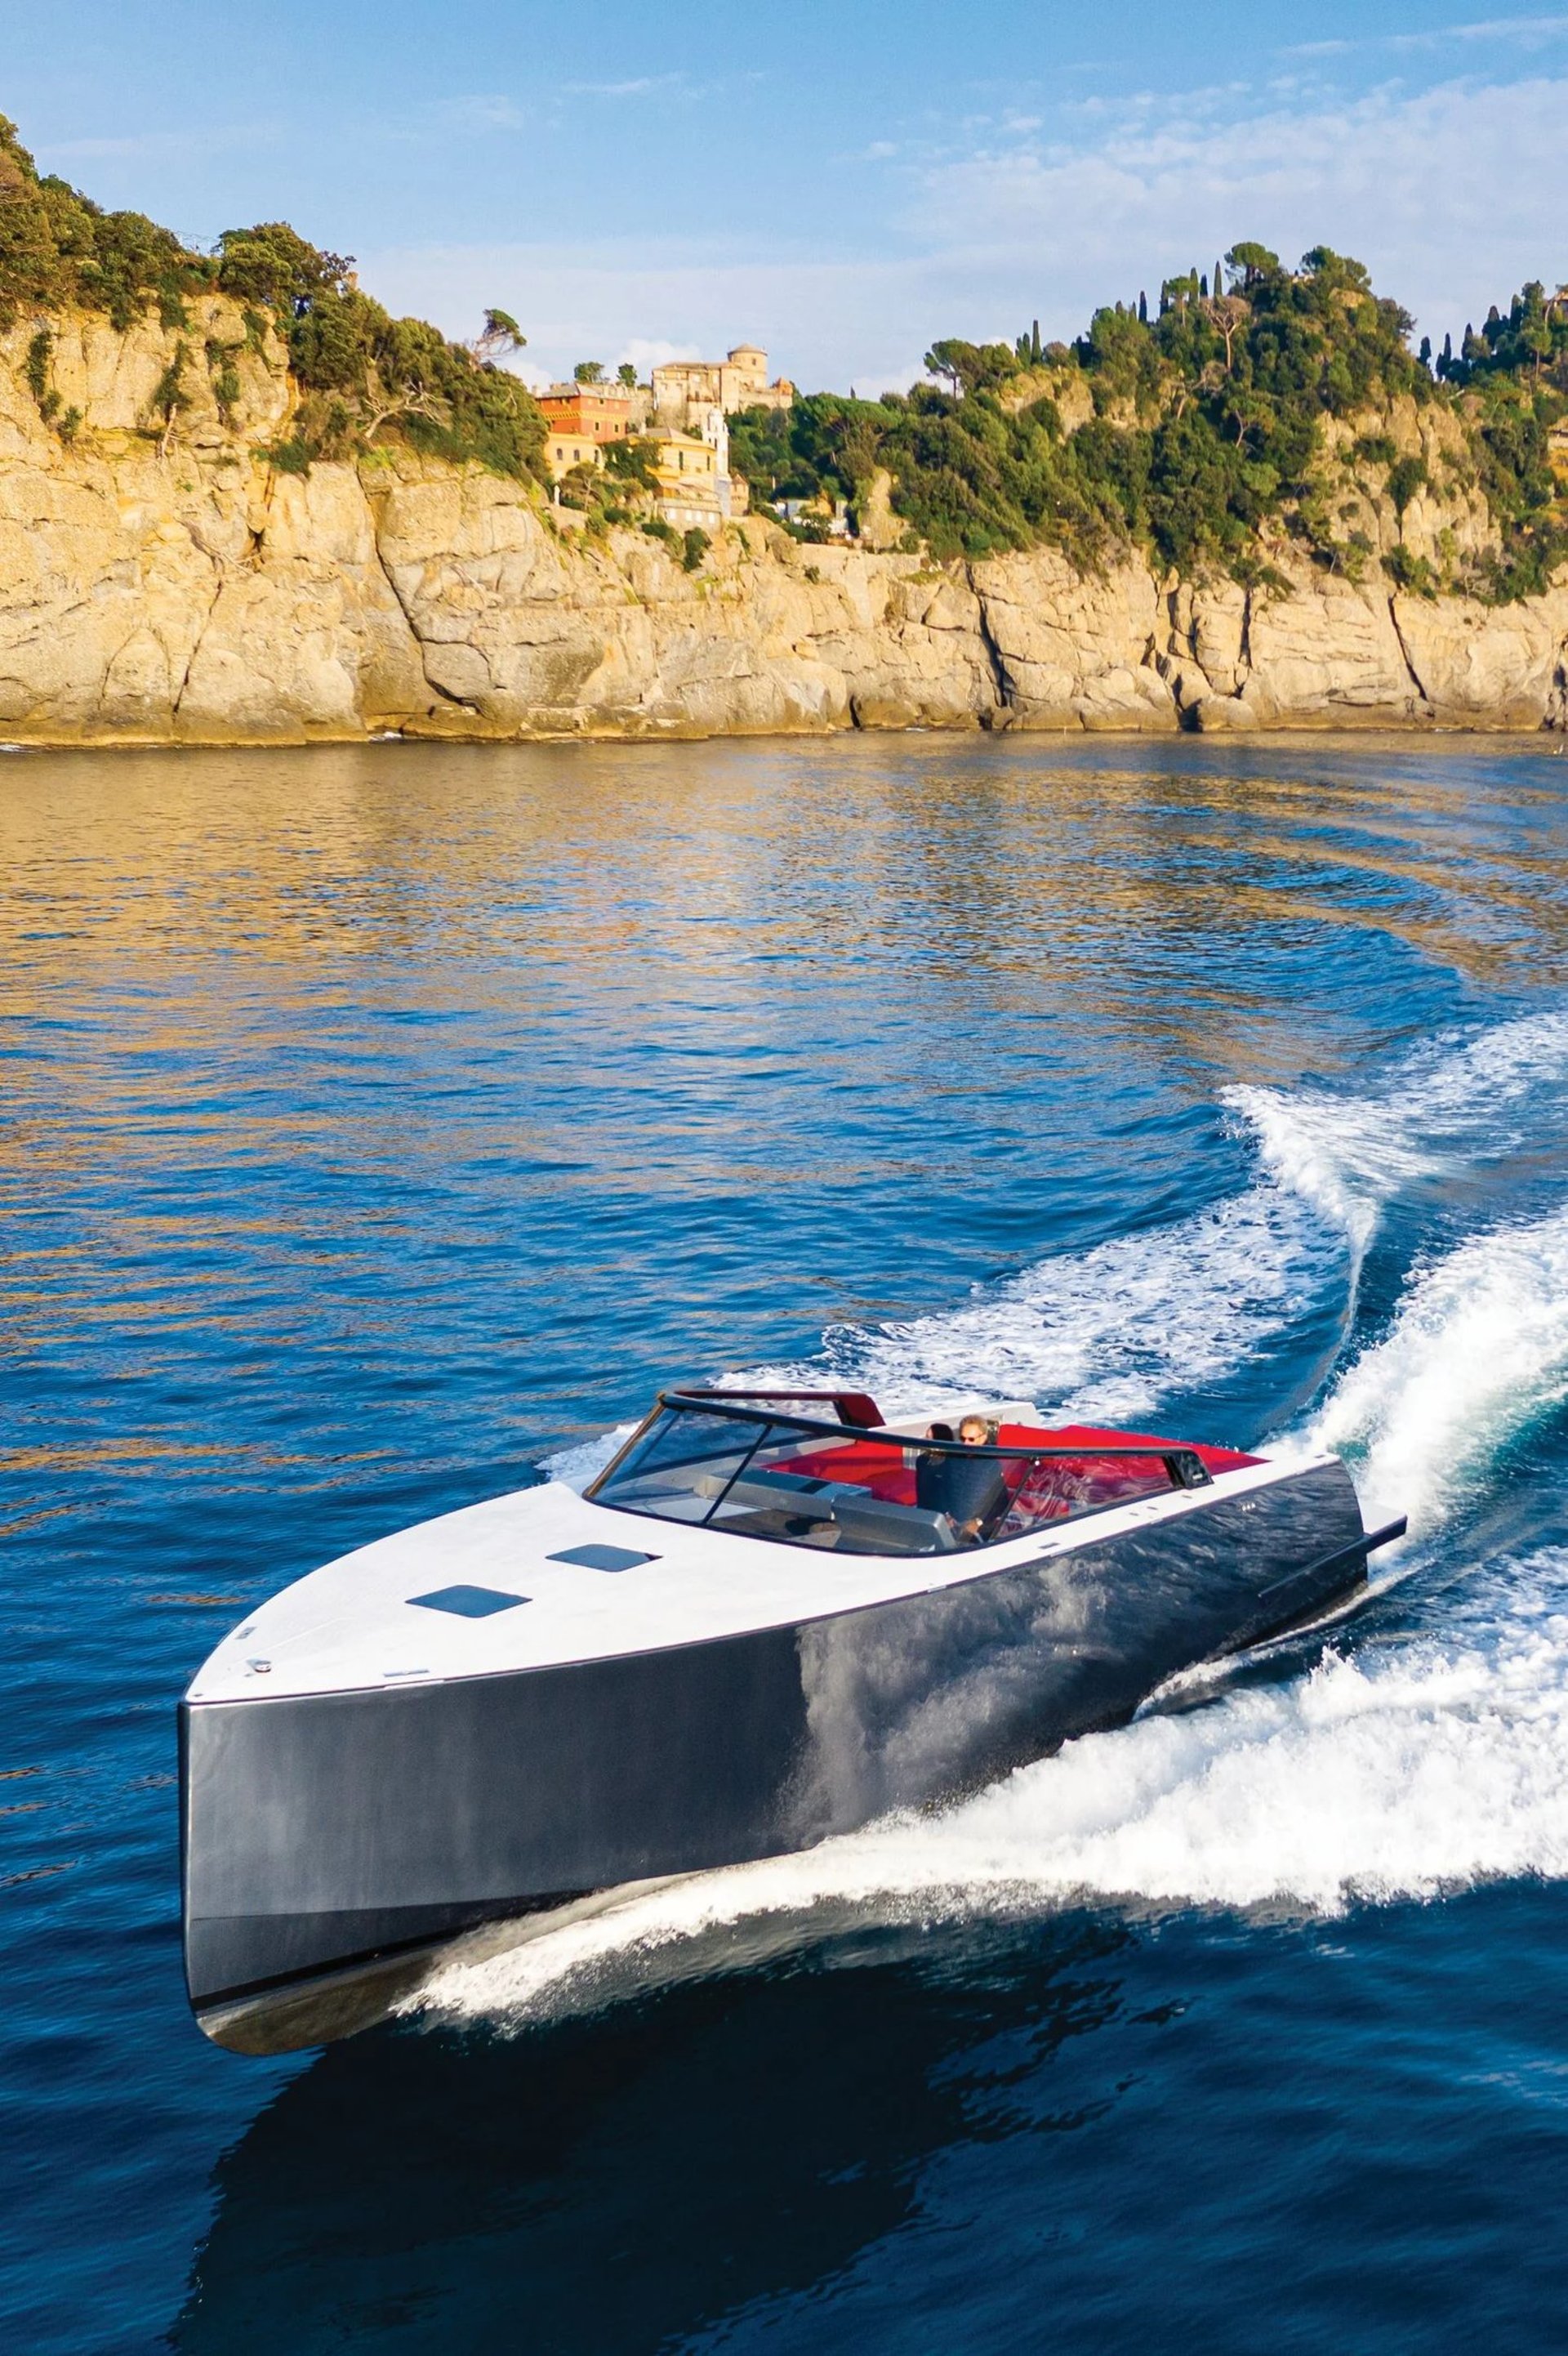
{"x":1074,"y":1435}
{"x":1044,"y":1492}
{"x":875,"y":1465}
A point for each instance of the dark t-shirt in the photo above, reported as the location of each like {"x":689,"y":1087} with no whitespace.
{"x":967,"y":1488}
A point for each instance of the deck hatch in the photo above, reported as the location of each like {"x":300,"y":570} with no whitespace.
{"x":602,"y":1557}
{"x":467,"y":1602}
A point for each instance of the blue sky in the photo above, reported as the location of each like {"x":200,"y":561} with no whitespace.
{"x":842,"y":180}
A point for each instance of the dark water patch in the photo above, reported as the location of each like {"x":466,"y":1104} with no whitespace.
{"x":1180,"y":2136}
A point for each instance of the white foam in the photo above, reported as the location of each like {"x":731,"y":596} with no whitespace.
{"x":1478,"y":1349}
{"x":579,"y":1464}
{"x":1449,"y":1099}
{"x":1107,"y":1332}
{"x":1114,"y":1331}
{"x":1343,"y":1156}
{"x":1403,"y":1774}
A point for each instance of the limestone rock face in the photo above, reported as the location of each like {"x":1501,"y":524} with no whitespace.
{"x":1490,"y":667}
{"x":519,"y":634}
{"x":180,"y":585}
{"x":175,"y":589}
{"x":1075,"y":651}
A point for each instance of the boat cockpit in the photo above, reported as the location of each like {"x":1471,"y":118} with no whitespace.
{"x":823,"y":1471}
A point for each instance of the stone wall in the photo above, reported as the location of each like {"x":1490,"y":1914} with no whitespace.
{"x":183,"y":588}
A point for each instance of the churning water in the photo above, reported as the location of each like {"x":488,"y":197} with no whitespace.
{"x":382,"y":1126}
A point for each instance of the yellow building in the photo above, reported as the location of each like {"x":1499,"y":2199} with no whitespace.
{"x":692,"y":490}
{"x":564,"y":449}
{"x":691,"y":470}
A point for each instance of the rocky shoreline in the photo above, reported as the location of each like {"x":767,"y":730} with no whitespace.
{"x":183,"y":589}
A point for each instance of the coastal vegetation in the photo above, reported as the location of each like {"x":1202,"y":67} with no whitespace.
{"x":1210,"y":432}
{"x":362,"y":374}
{"x":1251,"y":410}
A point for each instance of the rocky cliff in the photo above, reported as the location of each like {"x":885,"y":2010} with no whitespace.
{"x":175,"y":584}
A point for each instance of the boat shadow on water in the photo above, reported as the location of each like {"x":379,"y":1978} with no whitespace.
{"x":622,"y":2179}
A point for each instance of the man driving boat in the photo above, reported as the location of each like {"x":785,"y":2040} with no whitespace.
{"x":968,"y":1489}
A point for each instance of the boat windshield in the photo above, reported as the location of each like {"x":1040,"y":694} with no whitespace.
{"x":859,"y":1491}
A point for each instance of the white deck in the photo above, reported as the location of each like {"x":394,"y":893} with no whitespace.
{"x":352,"y":1624}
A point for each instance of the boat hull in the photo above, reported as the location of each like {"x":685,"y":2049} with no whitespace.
{"x":330,"y":1840}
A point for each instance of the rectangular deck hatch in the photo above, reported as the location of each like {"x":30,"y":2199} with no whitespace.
{"x":468,"y":1603}
{"x":602,"y":1557}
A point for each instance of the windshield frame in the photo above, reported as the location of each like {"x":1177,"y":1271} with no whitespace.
{"x":1185,"y":1467}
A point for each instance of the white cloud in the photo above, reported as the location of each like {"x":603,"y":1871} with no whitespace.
{"x":159,"y":146}
{"x":646,"y":352}
{"x":1453,"y":196}
{"x":1530,"y":32}
{"x":822,"y":322}
{"x":664,"y":85}
{"x":483,"y":110}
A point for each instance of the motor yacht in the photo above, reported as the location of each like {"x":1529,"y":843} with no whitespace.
{"x":771,"y":1618}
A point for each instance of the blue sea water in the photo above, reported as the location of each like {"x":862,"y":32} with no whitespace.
{"x":380,"y":1126}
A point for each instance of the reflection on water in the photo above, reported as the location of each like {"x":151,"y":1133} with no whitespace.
{"x":617,"y":2183}
{"x":1080,"y":2135}
{"x":374,"y":1122}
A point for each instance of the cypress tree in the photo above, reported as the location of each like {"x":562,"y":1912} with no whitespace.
{"x":1218,"y":282}
{"x":1143,"y":309}
{"x":1203,"y":286}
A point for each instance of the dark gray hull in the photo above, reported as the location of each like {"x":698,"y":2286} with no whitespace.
{"x":331,"y":1841}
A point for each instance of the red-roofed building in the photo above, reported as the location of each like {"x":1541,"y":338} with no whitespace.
{"x":597,"y":413}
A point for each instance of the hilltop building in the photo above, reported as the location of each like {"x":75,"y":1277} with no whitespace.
{"x":692,"y":464}
{"x":691,"y":490}
{"x":602,"y":411}
{"x":685,"y":390}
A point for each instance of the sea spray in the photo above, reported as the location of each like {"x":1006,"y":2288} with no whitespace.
{"x":1405,"y":1772}
{"x":1113,"y":1332}
{"x":1478,"y":1349}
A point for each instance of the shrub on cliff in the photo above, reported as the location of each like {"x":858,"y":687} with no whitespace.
{"x":58,"y":247}
{"x":360,"y":371}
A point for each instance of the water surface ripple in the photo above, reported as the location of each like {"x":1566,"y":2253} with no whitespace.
{"x":377,"y":1127}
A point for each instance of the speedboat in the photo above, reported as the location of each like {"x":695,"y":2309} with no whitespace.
{"x":771,"y":1618}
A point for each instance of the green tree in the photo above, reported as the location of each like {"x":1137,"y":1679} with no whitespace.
{"x":170,"y":397}
{"x":1405,"y":477}
{"x":272,"y":265}
{"x":633,"y":461}
{"x":971,"y":368}
{"x":499,"y":334}
{"x":1253,"y":264}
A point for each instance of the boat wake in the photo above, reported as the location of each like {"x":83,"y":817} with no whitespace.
{"x":1478,"y":1352}
{"x":1415,"y":1764}
{"x":1403,"y":1774}
{"x":1114,"y":1332}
